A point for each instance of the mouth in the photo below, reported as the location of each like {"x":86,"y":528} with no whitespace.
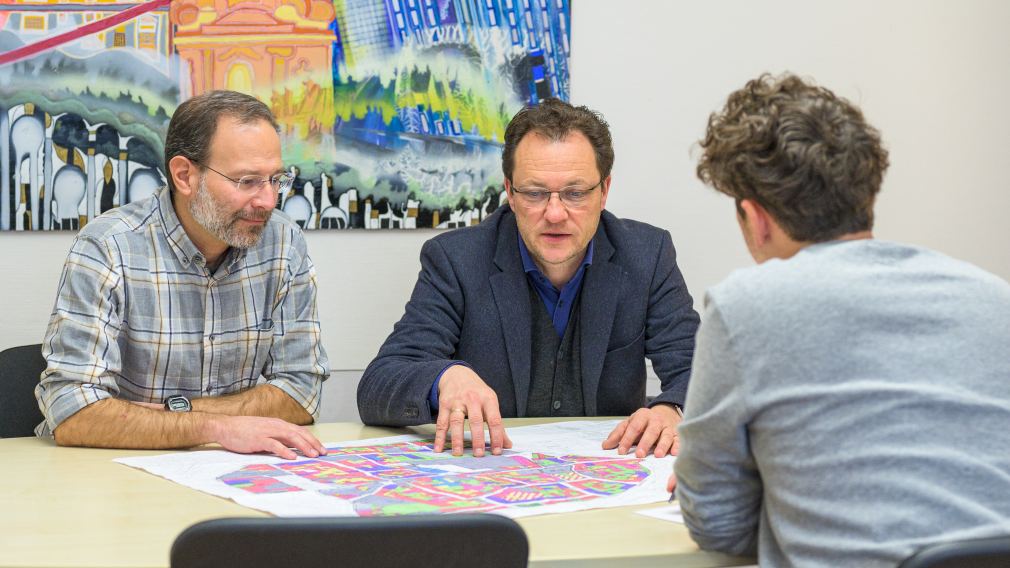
{"x":554,"y":237}
{"x":255,"y":218}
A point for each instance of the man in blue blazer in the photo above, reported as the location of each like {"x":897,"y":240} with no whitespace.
{"x":549,"y":307}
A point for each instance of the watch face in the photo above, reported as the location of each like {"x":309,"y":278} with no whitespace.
{"x":177,"y":404}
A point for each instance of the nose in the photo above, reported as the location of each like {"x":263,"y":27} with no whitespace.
{"x":556,"y":210}
{"x":265,"y":198}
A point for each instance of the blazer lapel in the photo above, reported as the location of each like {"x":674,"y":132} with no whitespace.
{"x":601,"y":290}
{"x":512,"y":297}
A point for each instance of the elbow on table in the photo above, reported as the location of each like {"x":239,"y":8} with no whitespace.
{"x":67,"y":437}
{"x":73,"y":430}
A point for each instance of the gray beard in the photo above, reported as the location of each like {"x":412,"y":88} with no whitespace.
{"x":218,"y":221}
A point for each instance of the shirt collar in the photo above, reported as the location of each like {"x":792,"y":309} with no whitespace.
{"x":178,"y":238}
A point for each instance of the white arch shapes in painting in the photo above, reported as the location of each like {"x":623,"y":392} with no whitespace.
{"x":27,"y":135}
{"x":143,"y":184}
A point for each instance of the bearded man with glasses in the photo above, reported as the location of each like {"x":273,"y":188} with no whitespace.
{"x":190,"y":317}
{"x":549,"y":307}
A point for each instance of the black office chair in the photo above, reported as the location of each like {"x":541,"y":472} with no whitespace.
{"x":446,"y":541}
{"x":978,"y":553}
{"x":20,"y":368}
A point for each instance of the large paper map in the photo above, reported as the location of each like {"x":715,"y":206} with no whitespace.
{"x":551,"y":468}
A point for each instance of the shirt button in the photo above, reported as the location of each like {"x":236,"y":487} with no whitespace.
{"x":209,"y":389}
{"x":557,"y":404}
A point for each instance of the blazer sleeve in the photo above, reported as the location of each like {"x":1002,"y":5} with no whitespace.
{"x":670,"y":326}
{"x":395,"y":387}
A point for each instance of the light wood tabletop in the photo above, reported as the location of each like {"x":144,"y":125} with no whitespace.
{"x":75,"y":507}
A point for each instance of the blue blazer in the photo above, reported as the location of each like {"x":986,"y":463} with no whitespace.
{"x":472,"y":303}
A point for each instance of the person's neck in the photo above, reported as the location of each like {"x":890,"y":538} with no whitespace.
{"x":859,"y":235}
{"x":789,"y":248}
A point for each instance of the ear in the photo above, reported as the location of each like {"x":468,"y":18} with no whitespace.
{"x":509,"y":195}
{"x":185,"y":175}
{"x":605,"y":191}
{"x":756,"y":222}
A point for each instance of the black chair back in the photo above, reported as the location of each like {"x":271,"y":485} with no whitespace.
{"x":20,"y":368}
{"x":978,"y":553}
{"x":445,"y":541}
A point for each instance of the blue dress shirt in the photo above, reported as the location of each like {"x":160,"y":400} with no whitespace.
{"x":558,"y":302}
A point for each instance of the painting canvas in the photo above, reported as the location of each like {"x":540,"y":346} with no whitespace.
{"x":392,"y":112}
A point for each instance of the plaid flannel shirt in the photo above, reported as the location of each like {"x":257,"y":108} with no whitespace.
{"x":139,"y":317}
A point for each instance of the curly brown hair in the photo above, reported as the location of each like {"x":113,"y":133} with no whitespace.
{"x":804,"y":154}
{"x":555,"y":119}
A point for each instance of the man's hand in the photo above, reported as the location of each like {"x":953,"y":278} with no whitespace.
{"x":251,"y":434}
{"x":461,"y":394}
{"x":647,"y":427}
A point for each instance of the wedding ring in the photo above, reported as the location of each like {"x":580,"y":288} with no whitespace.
{"x":457,"y":410}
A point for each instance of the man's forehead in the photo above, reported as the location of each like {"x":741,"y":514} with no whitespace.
{"x":254,"y":143}
{"x":572,"y":156}
{"x":235,"y":128}
{"x":541,"y":136}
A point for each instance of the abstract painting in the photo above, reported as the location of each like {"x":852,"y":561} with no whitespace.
{"x":392,"y":112}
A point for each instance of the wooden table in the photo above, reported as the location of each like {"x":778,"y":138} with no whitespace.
{"x":75,"y":507}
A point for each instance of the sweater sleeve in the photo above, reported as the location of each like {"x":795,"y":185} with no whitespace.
{"x":718,"y":484}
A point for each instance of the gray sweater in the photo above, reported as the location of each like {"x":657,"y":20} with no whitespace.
{"x":849,"y":406}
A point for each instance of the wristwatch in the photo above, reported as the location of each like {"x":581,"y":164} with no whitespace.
{"x":178,"y":403}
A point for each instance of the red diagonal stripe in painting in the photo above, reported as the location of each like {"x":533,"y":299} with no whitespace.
{"x":87,"y":29}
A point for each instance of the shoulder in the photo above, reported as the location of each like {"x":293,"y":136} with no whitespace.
{"x":466,"y":242}
{"x":779,"y":283}
{"x":841,"y":273}
{"x":282,"y":239}
{"x":638,"y":246}
{"x":130,"y":218}
{"x":631,"y":233}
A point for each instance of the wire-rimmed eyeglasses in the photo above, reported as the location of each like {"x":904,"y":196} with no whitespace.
{"x":252,"y":184}
{"x":571,"y":197}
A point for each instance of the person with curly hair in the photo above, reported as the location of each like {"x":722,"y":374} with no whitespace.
{"x":848,"y":403}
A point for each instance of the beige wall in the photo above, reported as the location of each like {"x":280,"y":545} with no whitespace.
{"x":934,"y":76}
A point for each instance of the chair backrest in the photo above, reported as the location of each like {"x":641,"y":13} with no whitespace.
{"x":977,"y":553}
{"x":454,"y":540}
{"x":20,"y":368}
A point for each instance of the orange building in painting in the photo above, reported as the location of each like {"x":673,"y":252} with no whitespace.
{"x":263,"y":48}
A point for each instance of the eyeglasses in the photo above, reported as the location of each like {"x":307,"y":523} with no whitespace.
{"x":254,"y":184}
{"x":571,"y":197}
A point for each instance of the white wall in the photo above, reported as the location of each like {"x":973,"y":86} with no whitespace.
{"x":932,"y":75}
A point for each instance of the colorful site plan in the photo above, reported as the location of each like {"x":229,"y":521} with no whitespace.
{"x":551,"y":468}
